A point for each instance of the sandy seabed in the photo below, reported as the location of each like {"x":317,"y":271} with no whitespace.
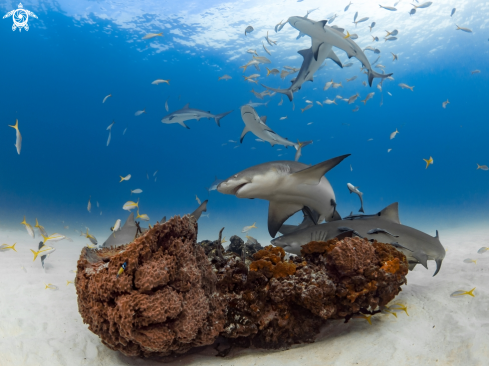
{"x":39,"y":326}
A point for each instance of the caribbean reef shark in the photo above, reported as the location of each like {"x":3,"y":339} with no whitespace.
{"x":309,"y":66}
{"x":257,"y":125}
{"x":289,"y":186}
{"x":186,"y":114}
{"x":384,"y":227}
{"x":125,"y":235}
{"x":321,"y":34}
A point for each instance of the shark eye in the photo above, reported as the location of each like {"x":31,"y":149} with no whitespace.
{"x":236,"y":176}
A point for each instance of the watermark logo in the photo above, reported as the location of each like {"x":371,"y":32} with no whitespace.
{"x":20,"y":17}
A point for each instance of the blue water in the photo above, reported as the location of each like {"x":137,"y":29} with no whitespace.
{"x":55,"y":76}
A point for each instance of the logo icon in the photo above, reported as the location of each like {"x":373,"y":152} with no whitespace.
{"x":20,"y":17}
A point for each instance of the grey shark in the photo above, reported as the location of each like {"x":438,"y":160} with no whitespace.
{"x":258,"y":126}
{"x":384,"y":227}
{"x":309,"y":66}
{"x":124,"y":236}
{"x":289,"y":186}
{"x":321,"y":34}
{"x":187,"y":113}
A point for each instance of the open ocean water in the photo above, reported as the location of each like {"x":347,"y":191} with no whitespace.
{"x":55,"y":76}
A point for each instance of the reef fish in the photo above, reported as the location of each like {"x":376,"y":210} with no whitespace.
{"x":18,"y":136}
{"x":5,"y":247}
{"x":289,"y":186}
{"x":152,"y":35}
{"x":248,"y":29}
{"x":44,"y":250}
{"x":187,"y":113}
{"x":122,"y":269}
{"x":417,"y":246}
{"x":248,"y":228}
{"x":355,"y":190}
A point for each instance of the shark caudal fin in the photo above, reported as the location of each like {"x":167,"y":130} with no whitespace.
{"x":372,"y":74}
{"x":287,"y":92}
{"x":218,"y":117}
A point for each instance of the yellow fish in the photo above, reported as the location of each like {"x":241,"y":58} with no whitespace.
{"x":18,"y":141}
{"x":5,"y":247}
{"x":428,"y":162}
{"x":41,"y":229}
{"x":462,"y":292}
{"x":223,"y":240}
{"x":399,"y":307}
{"x":366,"y":317}
{"x":129,"y":205}
{"x":152,"y":35}
{"x":91,"y":246}
{"x":53,"y":237}
{"x":248,"y":228}
{"x":142,"y":217}
{"x":45,"y":250}
{"x":127,"y":177}
{"x":387,"y":310}
{"x":347,"y":35}
{"x":68,"y":282}
{"x":28,"y":227}
{"x":469,"y":260}
{"x":50,"y":286}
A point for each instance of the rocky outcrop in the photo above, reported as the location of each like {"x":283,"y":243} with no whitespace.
{"x":176,"y":294}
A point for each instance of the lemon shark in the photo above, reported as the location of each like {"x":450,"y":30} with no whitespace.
{"x":289,"y":186}
{"x":321,"y":35}
{"x":187,"y":113}
{"x":258,"y":126}
{"x":385,"y":227}
{"x":309,"y":66}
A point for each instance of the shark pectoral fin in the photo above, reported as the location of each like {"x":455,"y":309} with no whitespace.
{"x":310,"y":215}
{"x":184,"y":125}
{"x":304,"y":53}
{"x":391,"y":213}
{"x":278,"y":213}
{"x":313,"y":174}
{"x":315,"y":47}
{"x":245,"y":131}
{"x":422,"y":258}
{"x":263,"y":119}
{"x":335,"y":58}
{"x":438,"y":266}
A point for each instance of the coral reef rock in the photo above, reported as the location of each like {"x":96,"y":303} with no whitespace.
{"x":164,"y":303}
{"x":176,"y":294}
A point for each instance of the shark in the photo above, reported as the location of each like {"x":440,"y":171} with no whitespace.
{"x":309,"y":66}
{"x":322,"y":34}
{"x":385,"y":227}
{"x":125,"y":235}
{"x":258,"y":126}
{"x":187,"y":113}
{"x":289,"y":186}
{"x":198,"y":212}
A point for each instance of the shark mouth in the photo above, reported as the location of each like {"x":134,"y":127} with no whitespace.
{"x":238,"y":188}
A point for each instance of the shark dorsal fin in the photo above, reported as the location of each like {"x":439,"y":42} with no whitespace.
{"x":313,"y":174}
{"x":323,"y":22}
{"x":437,"y":236}
{"x":186,"y":106}
{"x":391,"y":213}
{"x":263,"y":119}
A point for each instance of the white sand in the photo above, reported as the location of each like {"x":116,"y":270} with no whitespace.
{"x":43,"y":327}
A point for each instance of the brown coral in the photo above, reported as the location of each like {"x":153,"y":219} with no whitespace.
{"x":164,"y":302}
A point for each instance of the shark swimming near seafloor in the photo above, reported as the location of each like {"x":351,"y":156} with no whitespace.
{"x":384,"y":227}
{"x":289,"y":186}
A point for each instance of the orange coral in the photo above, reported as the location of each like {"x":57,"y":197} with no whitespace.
{"x":270,"y":261}
{"x":352,"y":296}
{"x":284,"y":269}
{"x":391,"y":266}
{"x":319,"y":247}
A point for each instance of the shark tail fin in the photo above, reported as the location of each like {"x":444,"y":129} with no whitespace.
{"x":220,"y":116}
{"x":287,"y":92}
{"x":372,"y":74}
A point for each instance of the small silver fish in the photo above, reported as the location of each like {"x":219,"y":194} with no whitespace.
{"x":249,"y":29}
{"x":138,"y":113}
